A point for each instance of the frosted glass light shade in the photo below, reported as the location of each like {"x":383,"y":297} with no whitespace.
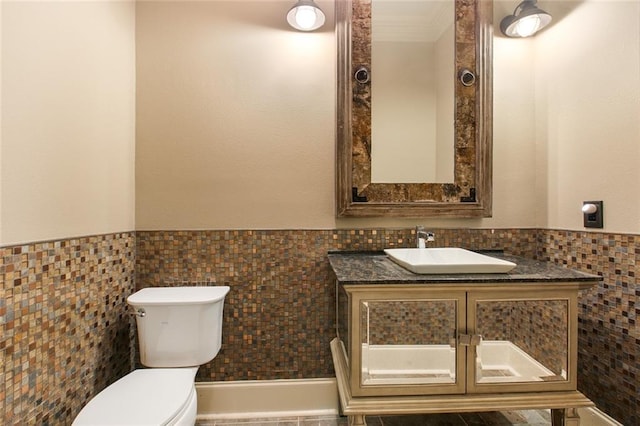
{"x":527,"y":19}
{"x":305,"y":16}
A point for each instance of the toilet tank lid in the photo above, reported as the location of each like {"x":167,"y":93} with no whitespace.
{"x":177,"y":295}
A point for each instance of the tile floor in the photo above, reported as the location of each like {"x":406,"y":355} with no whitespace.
{"x":503,"y":418}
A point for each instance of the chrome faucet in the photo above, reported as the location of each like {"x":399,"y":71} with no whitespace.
{"x":423,"y":237}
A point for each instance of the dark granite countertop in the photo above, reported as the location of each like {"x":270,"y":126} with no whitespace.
{"x":377,"y":268}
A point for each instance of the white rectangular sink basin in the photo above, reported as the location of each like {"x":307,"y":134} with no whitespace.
{"x":447,"y":260}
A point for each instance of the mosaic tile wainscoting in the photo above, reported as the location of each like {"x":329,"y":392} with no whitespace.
{"x":609,"y":334}
{"x":280,"y":314}
{"x":66,"y":335}
{"x":65,"y":331}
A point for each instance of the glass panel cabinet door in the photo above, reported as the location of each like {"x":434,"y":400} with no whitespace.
{"x":523,"y":343}
{"x":409,"y":346}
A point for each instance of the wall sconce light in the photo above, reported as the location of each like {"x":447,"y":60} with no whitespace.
{"x":527,"y":19}
{"x":305,"y":16}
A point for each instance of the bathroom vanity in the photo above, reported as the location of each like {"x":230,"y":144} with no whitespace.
{"x":410,"y":343}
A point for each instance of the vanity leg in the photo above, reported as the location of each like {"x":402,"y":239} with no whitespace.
{"x":357,"y":420}
{"x":565,"y":417}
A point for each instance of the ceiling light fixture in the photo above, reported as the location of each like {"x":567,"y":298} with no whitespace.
{"x":305,"y":16}
{"x":527,"y":19}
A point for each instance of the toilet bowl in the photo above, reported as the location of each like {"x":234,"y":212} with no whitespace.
{"x":179,"y":328}
{"x":154,"y":396}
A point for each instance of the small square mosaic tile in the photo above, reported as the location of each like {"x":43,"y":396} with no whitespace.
{"x":280,"y":312}
{"x":65,"y":332}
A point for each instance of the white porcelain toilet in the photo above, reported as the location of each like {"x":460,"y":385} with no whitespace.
{"x":179,"y":329}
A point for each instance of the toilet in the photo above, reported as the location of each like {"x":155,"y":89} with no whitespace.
{"x":179,"y":329}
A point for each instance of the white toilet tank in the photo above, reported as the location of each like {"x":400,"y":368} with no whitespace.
{"x":178,"y":326}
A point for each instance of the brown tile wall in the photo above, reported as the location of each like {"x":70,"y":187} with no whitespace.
{"x":65,"y":334}
{"x":280,"y":314}
{"x":609,"y":334}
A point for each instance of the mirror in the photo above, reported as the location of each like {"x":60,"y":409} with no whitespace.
{"x":408,"y":342}
{"x":412,"y":53}
{"x":513,"y":350}
{"x":368,"y":112}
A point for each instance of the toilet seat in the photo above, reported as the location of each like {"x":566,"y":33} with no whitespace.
{"x":153,"y":396}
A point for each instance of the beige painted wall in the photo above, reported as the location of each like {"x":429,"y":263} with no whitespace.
{"x":404,"y":115}
{"x":236,"y":117}
{"x":68,"y":96}
{"x":587,"y":93}
{"x":1,"y":115}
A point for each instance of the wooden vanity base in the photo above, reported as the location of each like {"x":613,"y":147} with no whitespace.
{"x":565,"y":416}
{"x":563,"y":404}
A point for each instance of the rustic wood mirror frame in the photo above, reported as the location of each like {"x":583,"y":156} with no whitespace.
{"x":470,"y":193}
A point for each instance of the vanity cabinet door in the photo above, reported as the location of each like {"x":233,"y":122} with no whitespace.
{"x":528,"y":341}
{"x":406,"y":344}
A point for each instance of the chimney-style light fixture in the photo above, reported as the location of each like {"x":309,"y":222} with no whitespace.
{"x":527,"y":19}
{"x":305,"y":15}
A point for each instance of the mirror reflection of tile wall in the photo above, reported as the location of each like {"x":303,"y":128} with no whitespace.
{"x":537,"y":327}
{"x":404,"y":322}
